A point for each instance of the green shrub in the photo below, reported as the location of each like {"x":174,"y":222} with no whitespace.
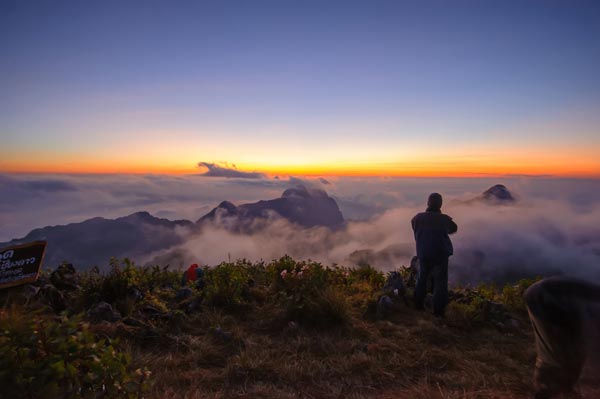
{"x":488,"y":291}
{"x":318,"y":309}
{"x":512,"y":295}
{"x":369,"y":274}
{"x":468,"y":314}
{"x":308,"y":293}
{"x":115,"y":287}
{"x":226,"y":284}
{"x":60,"y":357}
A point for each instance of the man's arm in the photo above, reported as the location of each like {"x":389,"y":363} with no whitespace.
{"x":452,"y":227}
{"x":413,"y":222}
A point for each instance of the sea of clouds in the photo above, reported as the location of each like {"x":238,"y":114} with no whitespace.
{"x":553,"y":228}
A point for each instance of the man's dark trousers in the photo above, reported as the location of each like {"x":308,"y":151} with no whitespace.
{"x":438,"y":269}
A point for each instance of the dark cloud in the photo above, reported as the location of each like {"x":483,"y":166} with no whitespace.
{"x":48,"y":184}
{"x":214,"y":170}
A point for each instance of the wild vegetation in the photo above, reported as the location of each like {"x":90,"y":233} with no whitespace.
{"x":282,"y":329}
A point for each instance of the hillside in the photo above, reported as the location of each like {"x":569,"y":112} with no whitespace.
{"x":86,"y":243}
{"x":285,"y":329}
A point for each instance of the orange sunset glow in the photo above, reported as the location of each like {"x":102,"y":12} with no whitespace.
{"x":579,"y":163}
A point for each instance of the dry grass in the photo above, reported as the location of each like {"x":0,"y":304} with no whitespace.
{"x":411,"y":355}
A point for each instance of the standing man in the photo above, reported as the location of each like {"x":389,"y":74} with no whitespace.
{"x":434,"y":247}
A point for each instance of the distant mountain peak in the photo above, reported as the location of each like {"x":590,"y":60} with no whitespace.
{"x":498,"y":193}
{"x":140,"y":215}
{"x":304,"y":206}
{"x":227,"y":206}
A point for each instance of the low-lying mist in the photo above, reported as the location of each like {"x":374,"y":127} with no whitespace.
{"x":554,"y":227}
{"x":494,"y":242}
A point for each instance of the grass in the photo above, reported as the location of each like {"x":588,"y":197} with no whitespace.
{"x":366,"y":360}
{"x":291,"y":329}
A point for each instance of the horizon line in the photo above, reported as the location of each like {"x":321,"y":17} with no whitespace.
{"x":275,"y":175}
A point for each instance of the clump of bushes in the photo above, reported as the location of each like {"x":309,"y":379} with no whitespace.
{"x":488,"y":303}
{"x":227,"y":284}
{"x":512,"y":294}
{"x":308,"y":293}
{"x":60,"y":357}
{"x":304,"y":292}
{"x":125,"y":284}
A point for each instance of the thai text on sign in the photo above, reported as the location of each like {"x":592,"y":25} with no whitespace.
{"x":21,"y":264}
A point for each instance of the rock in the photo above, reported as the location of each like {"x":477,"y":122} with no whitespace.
{"x":428,"y":302}
{"x":193,"y":305}
{"x":135,"y":293}
{"x":513,"y":324}
{"x":225,"y":336}
{"x":130,"y":321}
{"x":412,"y":272}
{"x":105,"y":312}
{"x":64,"y":277}
{"x":29,"y":291}
{"x":183,"y":293}
{"x":151,"y":310}
{"x":148,"y":334}
{"x":395,"y":284}
{"x":50,"y":295}
{"x":384,"y":305}
{"x":496,"y":311}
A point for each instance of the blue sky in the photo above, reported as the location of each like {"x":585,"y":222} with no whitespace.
{"x":374,"y":80}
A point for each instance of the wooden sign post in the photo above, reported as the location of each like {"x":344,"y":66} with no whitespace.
{"x":21,"y":264}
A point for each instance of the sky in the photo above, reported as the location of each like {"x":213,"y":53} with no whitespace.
{"x":348,"y":88}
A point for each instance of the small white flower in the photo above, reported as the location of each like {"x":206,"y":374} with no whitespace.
{"x":283,"y":273}
{"x":396,"y":291}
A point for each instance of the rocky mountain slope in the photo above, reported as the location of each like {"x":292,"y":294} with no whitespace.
{"x":299,"y":205}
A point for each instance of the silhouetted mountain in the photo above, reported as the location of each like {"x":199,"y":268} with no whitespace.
{"x":498,"y":193}
{"x":495,"y":195}
{"x":94,"y":241}
{"x":299,"y":205}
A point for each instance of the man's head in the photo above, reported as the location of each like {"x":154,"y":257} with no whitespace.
{"x":434,"y":201}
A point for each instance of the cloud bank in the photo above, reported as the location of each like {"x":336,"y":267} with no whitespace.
{"x":494,"y":243}
{"x":554,"y":227}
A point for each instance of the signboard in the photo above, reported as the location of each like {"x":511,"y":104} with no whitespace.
{"x":20,"y":264}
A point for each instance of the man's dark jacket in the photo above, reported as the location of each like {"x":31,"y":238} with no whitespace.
{"x":431,"y":230}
